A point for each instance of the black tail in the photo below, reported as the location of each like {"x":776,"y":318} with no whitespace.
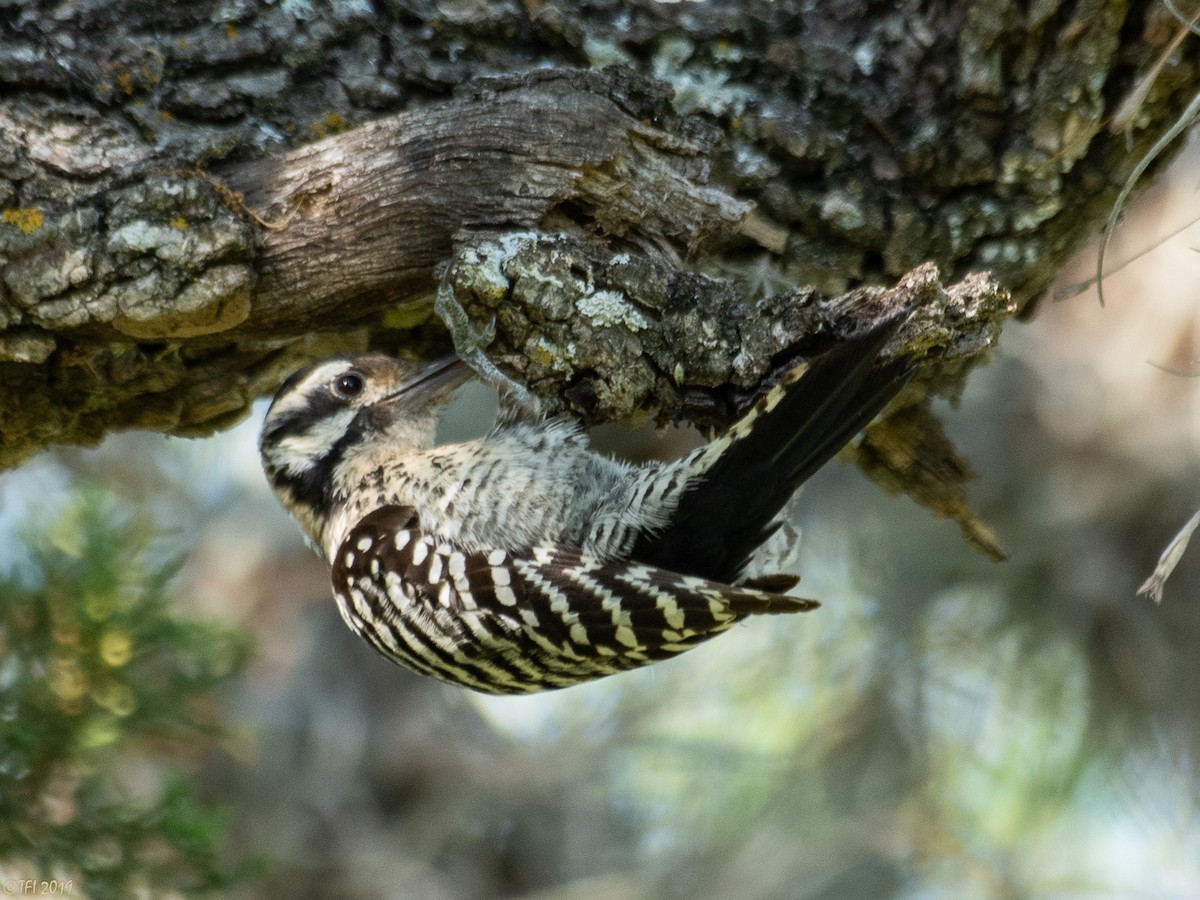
{"x":727,"y":514}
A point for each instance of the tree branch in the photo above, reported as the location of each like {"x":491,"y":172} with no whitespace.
{"x":168,"y":301}
{"x":365,"y":217}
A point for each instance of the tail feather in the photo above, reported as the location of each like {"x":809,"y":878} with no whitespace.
{"x":729,"y":511}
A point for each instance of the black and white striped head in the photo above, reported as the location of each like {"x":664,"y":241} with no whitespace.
{"x":327,"y":414}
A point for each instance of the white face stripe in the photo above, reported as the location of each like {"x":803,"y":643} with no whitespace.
{"x":296,"y":453}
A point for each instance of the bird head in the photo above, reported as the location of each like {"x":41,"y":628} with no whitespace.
{"x":342,"y":410}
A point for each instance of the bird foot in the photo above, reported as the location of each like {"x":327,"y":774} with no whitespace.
{"x":469,"y":344}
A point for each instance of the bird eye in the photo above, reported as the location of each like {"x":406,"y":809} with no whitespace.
{"x":349,"y":385}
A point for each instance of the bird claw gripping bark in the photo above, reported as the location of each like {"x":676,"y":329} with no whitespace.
{"x":469,"y":344}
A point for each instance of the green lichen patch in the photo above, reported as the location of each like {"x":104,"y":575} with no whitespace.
{"x":26,"y":219}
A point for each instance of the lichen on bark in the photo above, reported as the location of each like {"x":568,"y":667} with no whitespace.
{"x":606,"y":336}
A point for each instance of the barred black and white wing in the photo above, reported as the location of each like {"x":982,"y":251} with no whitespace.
{"x":504,"y":623}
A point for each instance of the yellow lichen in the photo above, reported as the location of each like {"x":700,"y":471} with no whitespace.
{"x":27,"y":219}
{"x":333,"y":123}
{"x":180,"y":223}
{"x":231,"y":31}
{"x":540,"y":354}
{"x":125,"y":81}
{"x":407,"y":315}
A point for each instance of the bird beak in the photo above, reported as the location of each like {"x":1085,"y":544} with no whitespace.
{"x":431,"y":382}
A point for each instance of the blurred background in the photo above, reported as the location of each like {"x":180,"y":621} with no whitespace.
{"x":182,"y":710}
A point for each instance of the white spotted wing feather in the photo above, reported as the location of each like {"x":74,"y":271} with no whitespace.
{"x":503,"y":623}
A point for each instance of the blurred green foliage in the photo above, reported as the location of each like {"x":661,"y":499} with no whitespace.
{"x":104,"y":691}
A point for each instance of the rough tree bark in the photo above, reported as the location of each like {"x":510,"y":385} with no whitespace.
{"x":196,"y":199}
